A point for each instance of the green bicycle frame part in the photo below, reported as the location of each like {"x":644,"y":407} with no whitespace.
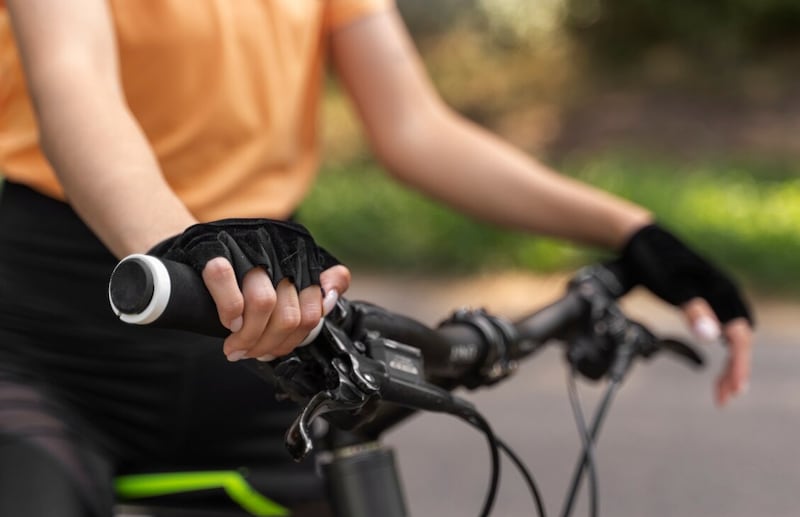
{"x":139,"y":486}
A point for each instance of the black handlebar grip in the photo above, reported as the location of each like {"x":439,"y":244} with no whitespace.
{"x":553,"y":320}
{"x":146,"y":290}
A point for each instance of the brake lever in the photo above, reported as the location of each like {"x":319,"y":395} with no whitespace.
{"x":298,"y":437}
{"x":345,"y":378}
{"x":640,"y":342}
{"x":609,"y":342}
{"x":683,"y":350}
{"x":626,"y":339}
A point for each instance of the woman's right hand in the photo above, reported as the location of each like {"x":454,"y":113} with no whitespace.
{"x":266,"y":321}
{"x":270,"y":281}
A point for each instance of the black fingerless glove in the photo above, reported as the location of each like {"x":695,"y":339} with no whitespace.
{"x":284,"y":249}
{"x":658,"y":260}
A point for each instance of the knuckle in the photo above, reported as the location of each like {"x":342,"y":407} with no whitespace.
{"x":337,"y":276}
{"x":217,"y":269}
{"x":288,"y":319}
{"x":231,"y":308}
{"x":263,"y":300}
{"x":345,"y":275}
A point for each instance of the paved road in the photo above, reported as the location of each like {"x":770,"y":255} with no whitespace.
{"x":664,"y":451}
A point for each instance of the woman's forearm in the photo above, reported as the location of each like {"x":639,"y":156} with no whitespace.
{"x":465,"y":166}
{"x":427,"y":145}
{"x":97,"y":149}
{"x":106,"y":166}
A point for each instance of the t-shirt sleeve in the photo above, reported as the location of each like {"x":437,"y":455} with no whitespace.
{"x":343,"y":12}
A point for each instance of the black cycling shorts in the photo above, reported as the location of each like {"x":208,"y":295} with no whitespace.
{"x":84,"y":397}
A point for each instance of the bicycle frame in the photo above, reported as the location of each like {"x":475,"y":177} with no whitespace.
{"x":360,"y":475}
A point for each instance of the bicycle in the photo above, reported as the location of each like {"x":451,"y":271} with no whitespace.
{"x":363,"y":374}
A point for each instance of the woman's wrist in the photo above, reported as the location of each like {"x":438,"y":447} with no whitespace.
{"x":628,"y":225}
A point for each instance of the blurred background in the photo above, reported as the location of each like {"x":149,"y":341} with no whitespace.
{"x":689,"y":108}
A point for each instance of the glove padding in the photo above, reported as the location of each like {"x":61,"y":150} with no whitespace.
{"x":658,"y":260}
{"x":284,"y":249}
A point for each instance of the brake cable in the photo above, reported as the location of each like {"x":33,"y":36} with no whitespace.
{"x":587,"y":462}
{"x":527,"y":476}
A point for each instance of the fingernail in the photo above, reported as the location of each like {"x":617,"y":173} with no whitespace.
{"x":265,"y":358}
{"x":329,"y":302}
{"x":236,"y":355}
{"x":236,"y":324}
{"x":707,"y":329}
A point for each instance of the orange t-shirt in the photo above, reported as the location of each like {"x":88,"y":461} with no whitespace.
{"x":226,"y":91}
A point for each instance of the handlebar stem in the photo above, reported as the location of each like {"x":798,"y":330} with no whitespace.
{"x":499,"y":336}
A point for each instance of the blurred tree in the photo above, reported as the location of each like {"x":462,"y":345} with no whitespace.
{"x":722,"y":30}
{"x":534,"y":23}
{"x":621,"y":31}
{"x":427,"y":18}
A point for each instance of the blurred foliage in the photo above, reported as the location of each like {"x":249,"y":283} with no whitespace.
{"x":747,"y":218}
{"x":718,"y":44}
{"x":621,"y":30}
{"x":741,"y":220}
{"x":425,"y":18}
{"x":717,"y":30}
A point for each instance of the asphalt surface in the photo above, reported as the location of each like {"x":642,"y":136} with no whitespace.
{"x":665,"y":450}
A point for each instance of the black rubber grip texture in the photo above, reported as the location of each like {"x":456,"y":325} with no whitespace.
{"x":131,"y":286}
{"x":190,"y":306}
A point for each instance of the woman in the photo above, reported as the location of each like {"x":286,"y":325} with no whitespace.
{"x":124,"y":123}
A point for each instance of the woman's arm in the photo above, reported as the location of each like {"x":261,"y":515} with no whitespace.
{"x":112,"y":178}
{"x":96,"y":147}
{"x":425,"y":144}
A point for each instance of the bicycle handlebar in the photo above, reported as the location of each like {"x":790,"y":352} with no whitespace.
{"x":362,"y":355}
{"x":146,"y":290}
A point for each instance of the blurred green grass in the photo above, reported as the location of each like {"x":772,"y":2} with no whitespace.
{"x":744,"y":217}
